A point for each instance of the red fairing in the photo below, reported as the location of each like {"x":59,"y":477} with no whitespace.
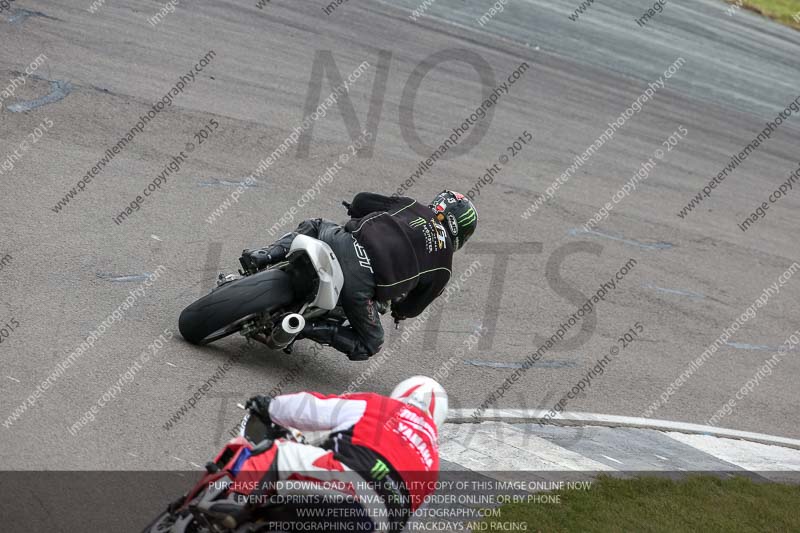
{"x":235,"y":445}
{"x":404,"y":435}
{"x":250,"y":477}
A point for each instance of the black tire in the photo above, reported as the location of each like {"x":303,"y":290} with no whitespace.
{"x":224,"y":311}
{"x":162,"y":524}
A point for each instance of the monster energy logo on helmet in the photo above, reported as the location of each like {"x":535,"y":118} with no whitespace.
{"x":468,"y":217}
{"x":460,"y":213}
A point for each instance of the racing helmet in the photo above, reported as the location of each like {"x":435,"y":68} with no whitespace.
{"x":424,"y":393}
{"x":457,"y":213}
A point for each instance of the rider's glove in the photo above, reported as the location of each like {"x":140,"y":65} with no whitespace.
{"x":397,"y":318}
{"x":259,"y":406}
{"x":348,"y":206}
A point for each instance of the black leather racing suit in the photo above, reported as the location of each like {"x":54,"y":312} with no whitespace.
{"x":393,"y":249}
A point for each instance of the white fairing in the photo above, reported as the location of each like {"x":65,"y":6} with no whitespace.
{"x":331,"y":278}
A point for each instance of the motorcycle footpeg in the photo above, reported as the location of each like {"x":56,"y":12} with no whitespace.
{"x":222,"y":279}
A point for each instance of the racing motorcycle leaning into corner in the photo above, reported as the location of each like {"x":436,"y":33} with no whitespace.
{"x":373,"y":463}
{"x":270,"y":306}
{"x":330,"y":283}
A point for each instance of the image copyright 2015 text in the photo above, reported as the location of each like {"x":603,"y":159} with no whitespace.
{"x":173,"y":167}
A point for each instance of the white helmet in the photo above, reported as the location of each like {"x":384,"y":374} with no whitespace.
{"x":426,"y":394}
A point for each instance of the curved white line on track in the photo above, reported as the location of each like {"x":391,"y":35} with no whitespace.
{"x":462,"y":416}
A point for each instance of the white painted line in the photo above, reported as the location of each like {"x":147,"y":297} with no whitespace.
{"x":662,"y":458}
{"x":461,"y":416}
{"x":179,"y":459}
{"x":493,"y":446}
{"x":611,"y":459}
{"x":132,"y":454}
{"x":13,"y":379}
{"x":170,"y":364}
{"x":752,"y":456}
{"x":156,"y":237}
{"x":195,"y":464}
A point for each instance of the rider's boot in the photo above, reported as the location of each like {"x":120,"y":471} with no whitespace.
{"x":339,"y":337}
{"x":255,"y":260}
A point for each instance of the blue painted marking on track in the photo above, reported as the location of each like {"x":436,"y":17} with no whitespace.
{"x":226,"y":183}
{"x":680,"y":292}
{"x":58,"y":91}
{"x":540,"y":364}
{"x":122,"y":279}
{"x":647,"y":246}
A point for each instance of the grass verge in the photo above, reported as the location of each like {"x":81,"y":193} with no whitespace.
{"x":653,"y":504}
{"x":784,"y":11}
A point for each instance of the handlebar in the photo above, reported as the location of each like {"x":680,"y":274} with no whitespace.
{"x":260,"y":433}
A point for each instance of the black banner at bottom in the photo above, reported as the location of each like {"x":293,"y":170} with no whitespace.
{"x":131,"y":501}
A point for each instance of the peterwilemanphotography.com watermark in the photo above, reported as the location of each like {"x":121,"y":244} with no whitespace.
{"x":428,"y":265}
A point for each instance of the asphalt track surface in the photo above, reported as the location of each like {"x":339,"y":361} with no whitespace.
{"x":692,"y":277}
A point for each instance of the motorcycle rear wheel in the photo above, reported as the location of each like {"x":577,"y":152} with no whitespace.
{"x":225,"y":310}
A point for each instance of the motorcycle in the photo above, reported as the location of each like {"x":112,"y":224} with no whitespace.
{"x":270,"y":306}
{"x":215,"y":505}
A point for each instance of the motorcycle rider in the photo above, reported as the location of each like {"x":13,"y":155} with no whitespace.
{"x":393,"y":249}
{"x":381,"y":451}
